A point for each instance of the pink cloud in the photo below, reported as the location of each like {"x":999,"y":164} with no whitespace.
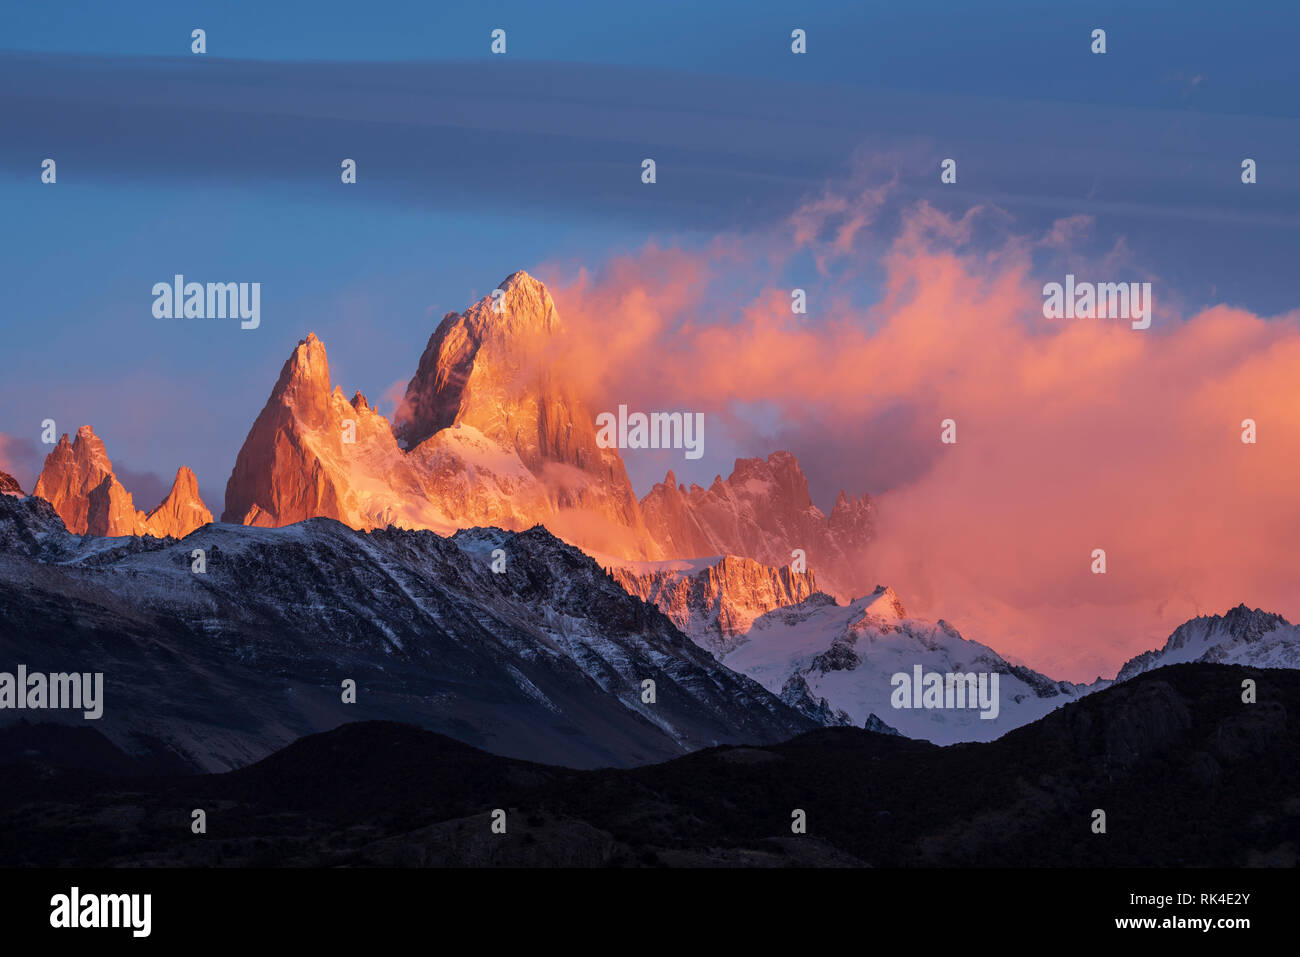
{"x":1072,"y":434}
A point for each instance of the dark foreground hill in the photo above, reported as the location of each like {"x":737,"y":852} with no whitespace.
{"x":1187,"y":775}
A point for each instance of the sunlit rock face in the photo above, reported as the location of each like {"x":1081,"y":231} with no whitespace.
{"x":78,"y":480}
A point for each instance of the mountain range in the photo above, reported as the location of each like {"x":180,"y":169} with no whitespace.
{"x":487,"y":433}
{"x":480,"y":566}
{"x":835,"y":660}
{"x":545,"y":659}
{"x":802,"y":644}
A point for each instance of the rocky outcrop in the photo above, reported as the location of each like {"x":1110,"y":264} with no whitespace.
{"x":78,"y":480}
{"x":488,"y":369}
{"x":481,"y":368}
{"x":485,"y":436}
{"x":181,"y":511}
{"x":288,"y":467}
{"x":72,"y":471}
{"x":314,"y":453}
{"x":763,"y":511}
{"x":873,"y":723}
{"x":489,"y":432}
{"x":9,"y":485}
{"x":716,"y":602}
{"x":799,"y":696}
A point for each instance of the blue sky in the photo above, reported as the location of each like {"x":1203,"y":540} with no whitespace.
{"x":225,"y":167}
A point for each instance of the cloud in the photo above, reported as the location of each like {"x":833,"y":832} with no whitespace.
{"x":567,"y":139}
{"x":1067,"y":231}
{"x":832,"y":222}
{"x":1072,"y":434}
{"x":394,"y":399}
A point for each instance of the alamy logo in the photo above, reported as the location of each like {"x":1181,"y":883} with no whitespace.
{"x":179,"y":299}
{"x":1106,"y":300}
{"x":657,"y":430}
{"x":57,"y":691}
{"x":932,"y":689}
{"x":74,"y":909}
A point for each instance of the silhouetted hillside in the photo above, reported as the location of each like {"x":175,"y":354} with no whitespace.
{"x":1186,"y":773}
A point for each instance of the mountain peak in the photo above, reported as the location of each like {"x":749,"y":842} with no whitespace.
{"x":185,"y":481}
{"x":304,"y":383}
{"x":525,"y":306}
{"x":1242,"y":634}
{"x":522,"y":279}
{"x":78,"y":480}
{"x":71,"y":473}
{"x":489,"y":368}
{"x":279,"y":476}
{"x":307,"y":370}
{"x":492,"y":429}
{"x":1240,"y":622}
{"x":485,"y":434}
{"x":1243,"y":617}
{"x":89,"y":450}
{"x":181,"y":511}
{"x":884,"y":603}
{"x":309,"y":358}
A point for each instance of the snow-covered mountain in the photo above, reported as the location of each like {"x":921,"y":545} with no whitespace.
{"x":847,"y":656}
{"x":489,"y":433}
{"x":545,"y":660}
{"x":836,"y":662}
{"x":1243,"y":636}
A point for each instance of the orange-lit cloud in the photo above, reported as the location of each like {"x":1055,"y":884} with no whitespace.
{"x":1072,"y":434}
